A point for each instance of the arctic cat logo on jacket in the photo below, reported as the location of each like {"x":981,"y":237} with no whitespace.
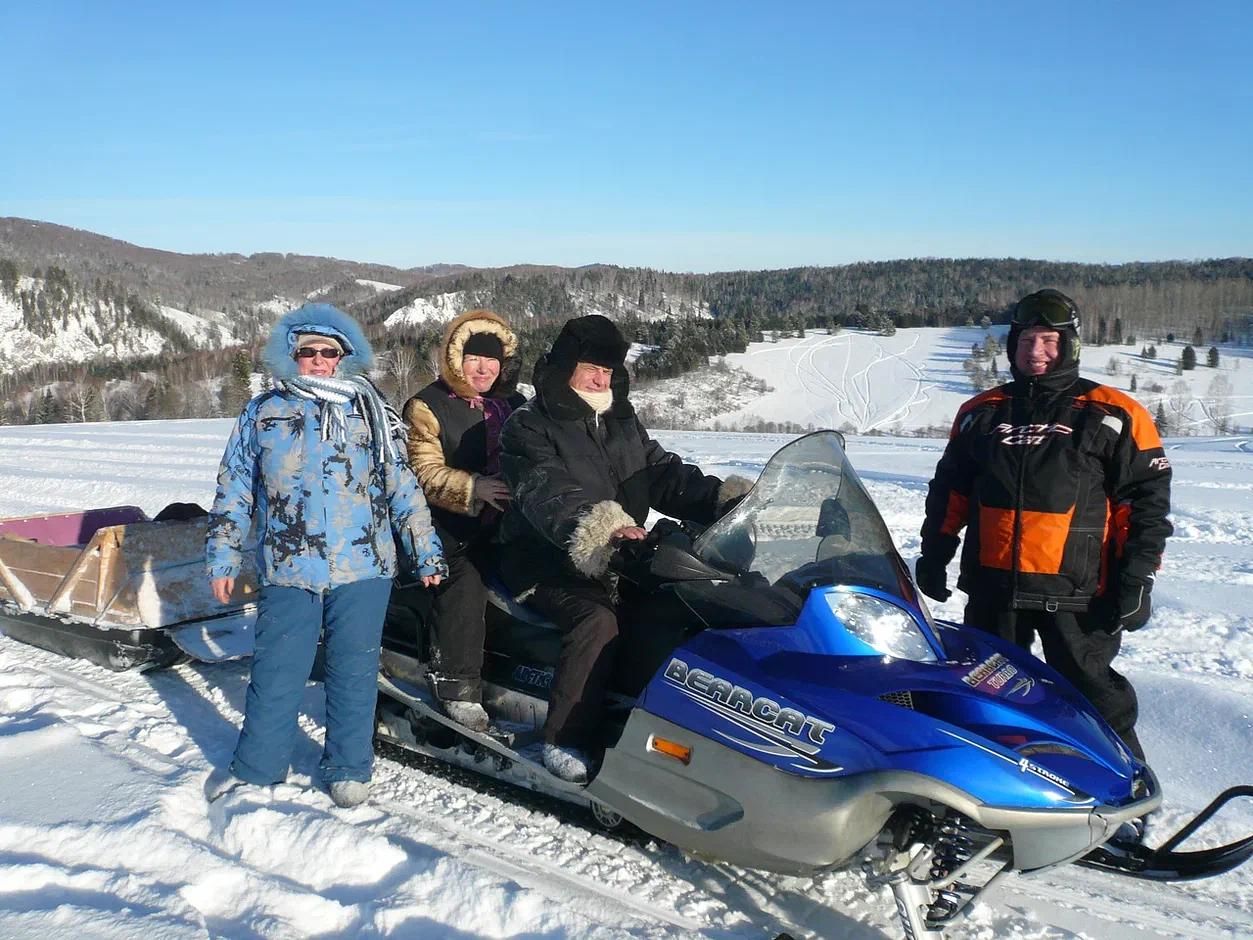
{"x":1029,"y":433}
{"x":1060,"y":484}
{"x":793,"y":732}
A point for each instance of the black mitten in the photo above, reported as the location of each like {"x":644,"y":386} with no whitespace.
{"x":1134,"y":605}
{"x":932,"y":578}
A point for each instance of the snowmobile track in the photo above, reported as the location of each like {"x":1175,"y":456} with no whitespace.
{"x":532,"y":871}
{"x":1167,"y":911}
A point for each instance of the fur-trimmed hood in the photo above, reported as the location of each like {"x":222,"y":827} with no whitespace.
{"x":324,"y":320}
{"x":551,"y":379}
{"x":450,"y":353}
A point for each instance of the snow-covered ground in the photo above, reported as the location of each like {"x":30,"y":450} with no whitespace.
{"x":104,"y":831}
{"x":379,"y":287}
{"x":438,"y":309}
{"x":862,"y":382}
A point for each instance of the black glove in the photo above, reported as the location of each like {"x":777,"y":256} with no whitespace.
{"x":932,"y":578}
{"x":1129,"y":606}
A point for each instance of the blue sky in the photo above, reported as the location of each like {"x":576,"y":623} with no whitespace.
{"x":684,"y":136}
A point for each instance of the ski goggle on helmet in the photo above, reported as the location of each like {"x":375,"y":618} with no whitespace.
{"x":1047,"y":308}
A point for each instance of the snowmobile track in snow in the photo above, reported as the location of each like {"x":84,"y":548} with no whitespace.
{"x":1167,"y":910}
{"x":655,"y":885}
{"x":532,"y":871}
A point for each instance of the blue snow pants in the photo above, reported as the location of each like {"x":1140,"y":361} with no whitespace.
{"x":289,"y":620}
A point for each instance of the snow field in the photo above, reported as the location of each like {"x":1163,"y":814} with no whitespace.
{"x":861,"y":382}
{"x":104,"y":831}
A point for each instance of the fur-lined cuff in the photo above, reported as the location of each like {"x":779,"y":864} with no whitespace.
{"x":590,"y":548}
{"x":733,"y":487}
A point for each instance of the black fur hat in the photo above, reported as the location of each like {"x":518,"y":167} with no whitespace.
{"x":593,"y":339}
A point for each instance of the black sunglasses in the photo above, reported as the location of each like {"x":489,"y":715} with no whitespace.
{"x":1049,"y":311}
{"x":309,"y":352}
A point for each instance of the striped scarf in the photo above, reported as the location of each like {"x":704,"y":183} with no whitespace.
{"x":332,"y":394}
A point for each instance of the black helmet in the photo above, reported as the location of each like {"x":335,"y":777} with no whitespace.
{"x":1052,"y":309}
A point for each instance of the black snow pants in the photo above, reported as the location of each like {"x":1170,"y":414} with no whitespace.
{"x":584,"y":611}
{"x":1077,"y":647}
{"x":457,"y":628}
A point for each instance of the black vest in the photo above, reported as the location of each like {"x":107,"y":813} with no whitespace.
{"x":463,"y":438}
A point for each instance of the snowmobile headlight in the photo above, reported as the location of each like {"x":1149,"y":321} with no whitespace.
{"x":882,"y":625}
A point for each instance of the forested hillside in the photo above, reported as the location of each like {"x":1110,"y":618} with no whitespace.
{"x":94,"y":328}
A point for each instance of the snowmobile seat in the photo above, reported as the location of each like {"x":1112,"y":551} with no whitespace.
{"x":498,"y":596}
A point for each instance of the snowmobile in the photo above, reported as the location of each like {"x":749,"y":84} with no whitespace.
{"x":790,"y":704}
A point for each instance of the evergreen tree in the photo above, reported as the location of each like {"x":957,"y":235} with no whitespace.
{"x":1133,"y":381}
{"x":49,"y":410}
{"x":1163,"y":425}
{"x":1211,"y":360}
{"x":8,"y":277}
{"x":1188,"y":360}
{"x":237,"y":390}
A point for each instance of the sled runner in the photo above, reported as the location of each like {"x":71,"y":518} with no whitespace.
{"x":116,"y":588}
{"x":788,"y":703}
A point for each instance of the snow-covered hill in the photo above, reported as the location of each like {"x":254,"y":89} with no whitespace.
{"x":209,"y":327}
{"x":440,"y":308}
{"x":104,"y":831}
{"x":915,"y":380}
{"x":32,"y":330}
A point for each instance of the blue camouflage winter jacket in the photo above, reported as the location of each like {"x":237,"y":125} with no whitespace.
{"x":325,"y":511}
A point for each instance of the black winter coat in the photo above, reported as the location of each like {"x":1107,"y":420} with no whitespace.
{"x":1063,"y":487}
{"x":576,"y":477}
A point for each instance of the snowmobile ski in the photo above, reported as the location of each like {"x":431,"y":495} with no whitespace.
{"x":1166,"y":863}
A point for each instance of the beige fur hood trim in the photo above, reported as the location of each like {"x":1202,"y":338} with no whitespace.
{"x":455,"y":336}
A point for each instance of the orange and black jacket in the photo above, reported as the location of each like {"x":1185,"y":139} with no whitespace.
{"x":1062,"y":486}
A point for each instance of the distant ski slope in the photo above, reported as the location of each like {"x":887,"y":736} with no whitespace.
{"x":862,"y":382}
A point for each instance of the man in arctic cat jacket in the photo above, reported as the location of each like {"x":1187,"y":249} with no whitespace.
{"x":1063,"y":487}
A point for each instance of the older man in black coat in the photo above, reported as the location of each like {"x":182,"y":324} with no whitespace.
{"x":584,"y":474}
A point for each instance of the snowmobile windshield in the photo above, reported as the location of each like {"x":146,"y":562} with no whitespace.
{"x":808,"y":522}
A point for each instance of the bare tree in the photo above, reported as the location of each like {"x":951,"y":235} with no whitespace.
{"x":82,"y":403}
{"x":122,"y":403}
{"x":1180,"y":402}
{"x":401,"y":364}
{"x":1217,"y":404}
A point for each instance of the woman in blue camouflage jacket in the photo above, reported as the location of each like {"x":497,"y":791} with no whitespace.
{"x":318,"y":463}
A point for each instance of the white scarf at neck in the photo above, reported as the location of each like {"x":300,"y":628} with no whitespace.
{"x":599,"y":402}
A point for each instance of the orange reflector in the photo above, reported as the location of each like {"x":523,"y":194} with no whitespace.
{"x":680,"y":752}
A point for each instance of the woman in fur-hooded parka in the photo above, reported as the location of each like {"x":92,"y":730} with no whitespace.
{"x":454,"y":448}
{"x":315,"y":468}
